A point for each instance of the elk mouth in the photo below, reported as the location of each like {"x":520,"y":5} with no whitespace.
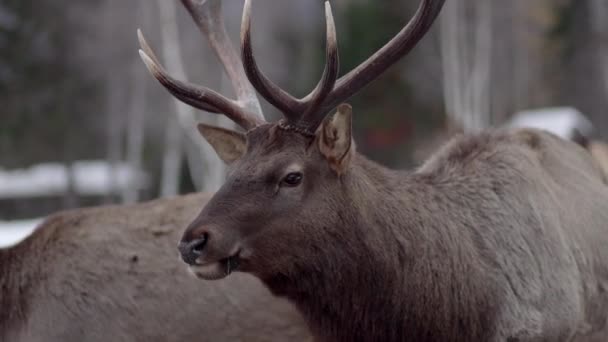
{"x":217,"y":269}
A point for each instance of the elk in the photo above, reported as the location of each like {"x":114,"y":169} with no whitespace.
{"x":499,"y":236}
{"x":112,"y":274}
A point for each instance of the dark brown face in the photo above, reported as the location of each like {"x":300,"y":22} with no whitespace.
{"x":278,"y":188}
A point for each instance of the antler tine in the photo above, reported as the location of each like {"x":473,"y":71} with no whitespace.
{"x":312,"y":117}
{"x":207,"y":16}
{"x":378,"y":63}
{"x":194,"y":95}
{"x":285,"y":102}
{"x":155,"y":65}
{"x":143,"y":44}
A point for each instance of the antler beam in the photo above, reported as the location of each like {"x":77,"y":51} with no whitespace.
{"x":295,"y":110}
{"x":246,"y":110}
{"x":309,"y":111}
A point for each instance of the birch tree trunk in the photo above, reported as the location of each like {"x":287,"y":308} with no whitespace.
{"x":136,"y":123}
{"x":599,"y":17}
{"x":115,"y":101}
{"x":482,"y":68}
{"x":466,"y":52}
{"x":173,"y":154}
{"x":136,"y":132}
{"x":198,"y":151}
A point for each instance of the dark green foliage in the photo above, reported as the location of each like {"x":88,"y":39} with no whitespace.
{"x":387,"y":116}
{"x":42,"y":92}
{"x":564,"y":30}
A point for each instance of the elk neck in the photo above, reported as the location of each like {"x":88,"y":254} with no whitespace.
{"x":392,"y":263}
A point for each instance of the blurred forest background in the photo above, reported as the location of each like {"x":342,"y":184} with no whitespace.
{"x":83,"y":123}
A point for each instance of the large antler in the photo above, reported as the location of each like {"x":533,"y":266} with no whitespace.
{"x":296,"y":110}
{"x":246,"y":110}
{"x":310,"y":111}
{"x":307,"y":112}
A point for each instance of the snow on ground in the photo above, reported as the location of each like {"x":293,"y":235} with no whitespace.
{"x":13,"y":232}
{"x":52,"y":179}
{"x":561,"y":121}
{"x":87,"y":177}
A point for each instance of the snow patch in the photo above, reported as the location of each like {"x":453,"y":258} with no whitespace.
{"x":52,"y":179}
{"x":561,"y":121}
{"x":13,"y":232}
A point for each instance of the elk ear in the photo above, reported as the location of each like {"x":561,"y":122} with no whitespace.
{"x":335,"y":139}
{"x":229,"y":145}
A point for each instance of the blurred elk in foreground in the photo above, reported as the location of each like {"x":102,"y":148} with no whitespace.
{"x":499,"y":236}
{"x":113,"y":274}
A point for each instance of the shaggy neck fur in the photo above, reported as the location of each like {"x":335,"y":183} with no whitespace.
{"x":394,"y":273}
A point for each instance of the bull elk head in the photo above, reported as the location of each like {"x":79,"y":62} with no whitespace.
{"x":285,"y":193}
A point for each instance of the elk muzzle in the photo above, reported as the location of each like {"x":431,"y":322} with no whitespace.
{"x":192,"y":250}
{"x":211,"y":253}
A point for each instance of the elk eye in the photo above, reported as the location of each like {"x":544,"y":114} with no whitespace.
{"x":293,"y":179}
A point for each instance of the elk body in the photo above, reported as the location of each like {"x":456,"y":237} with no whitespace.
{"x":499,"y":236}
{"x":597,"y":148}
{"x":112,"y":274}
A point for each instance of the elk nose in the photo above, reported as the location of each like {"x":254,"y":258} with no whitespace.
{"x":190,"y":251}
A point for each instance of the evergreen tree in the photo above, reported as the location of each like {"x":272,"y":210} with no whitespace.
{"x":42,"y":90}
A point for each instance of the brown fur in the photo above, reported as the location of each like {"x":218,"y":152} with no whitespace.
{"x":500,"y":236}
{"x":112,"y":274}
{"x":597,"y":148}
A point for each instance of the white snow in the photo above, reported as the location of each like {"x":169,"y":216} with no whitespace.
{"x":560,"y":121}
{"x":51,"y":179}
{"x":13,"y":232}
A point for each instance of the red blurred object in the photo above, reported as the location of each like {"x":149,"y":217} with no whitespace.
{"x":389,"y":136}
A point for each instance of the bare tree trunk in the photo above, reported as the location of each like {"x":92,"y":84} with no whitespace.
{"x":172,"y":159}
{"x":451,"y":65}
{"x":482,"y":68}
{"x":198,"y":151}
{"x":115,"y":126}
{"x":521,"y":65}
{"x":70,"y":198}
{"x":599,"y":17}
{"x":136,"y":131}
{"x":136,"y":123}
{"x":466,"y":49}
{"x":114,"y":109}
{"x":173,"y":145}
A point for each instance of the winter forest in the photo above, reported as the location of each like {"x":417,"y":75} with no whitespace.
{"x":82,"y":122}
